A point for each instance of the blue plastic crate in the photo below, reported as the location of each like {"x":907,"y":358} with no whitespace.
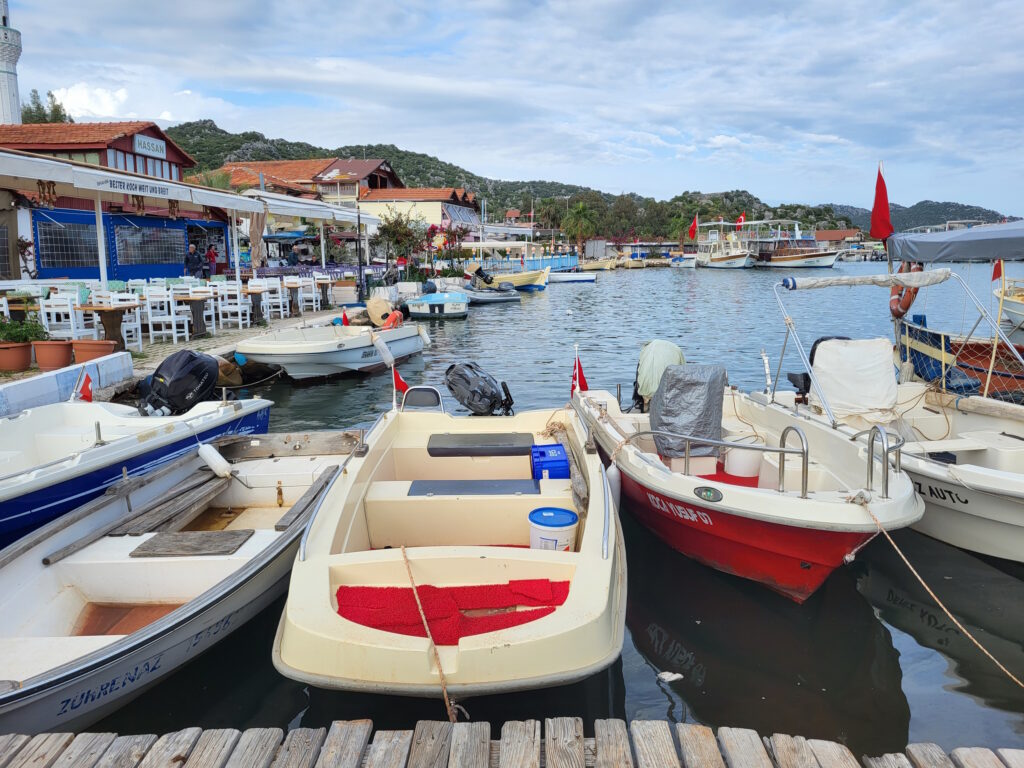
{"x":551,"y":459}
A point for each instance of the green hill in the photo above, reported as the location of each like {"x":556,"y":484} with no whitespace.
{"x":920,"y":214}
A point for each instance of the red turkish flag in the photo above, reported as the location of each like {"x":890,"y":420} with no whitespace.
{"x":881,"y":224}
{"x":997,"y":269}
{"x":579,"y":381}
{"x":740,"y":220}
{"x":693,"y":228}
{"x":344,"y":318}
{"x":400,"y":384}
{"x":85,"y":389}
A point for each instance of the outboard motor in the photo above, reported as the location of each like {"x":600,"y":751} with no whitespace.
{"x":487,"y":278}
{"x":477,"y":390}
{"x":506,"y":286}
{"x":179,"y":382}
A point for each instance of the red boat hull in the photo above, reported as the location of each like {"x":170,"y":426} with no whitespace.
{"x":791,"y":560}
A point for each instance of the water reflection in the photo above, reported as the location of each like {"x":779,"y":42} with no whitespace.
{"x":754,"y":659}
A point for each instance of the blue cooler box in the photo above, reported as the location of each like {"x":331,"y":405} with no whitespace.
{"x":550,"y":459}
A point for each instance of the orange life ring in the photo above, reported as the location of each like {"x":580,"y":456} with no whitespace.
{"x":900,"y":298}
{"x":394,"y":320}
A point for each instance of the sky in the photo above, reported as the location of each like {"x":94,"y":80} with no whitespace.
{"x":793,"y":101}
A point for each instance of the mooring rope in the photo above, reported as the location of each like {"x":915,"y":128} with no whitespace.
{"x":452,"y":715}
{"x":939,"y":603}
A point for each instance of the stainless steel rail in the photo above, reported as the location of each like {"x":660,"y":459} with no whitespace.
{"x":879,"y":432}
{"x":607,"y":512}
{"x":803,"y":462}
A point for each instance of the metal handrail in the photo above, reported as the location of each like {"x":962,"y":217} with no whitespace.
{"x":883,"y":436}
{"x":780,"y":449}
{"x":607,"y":512}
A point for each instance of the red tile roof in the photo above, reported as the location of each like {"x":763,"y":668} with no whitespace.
{"x":52,"y":136}
{"x":834,"y":235}
{"x":418,"y":194}
{"x":246,"y":176}
{"x":295,"y":171}
{"x":350,"y":169}
{"x":513,"y":213}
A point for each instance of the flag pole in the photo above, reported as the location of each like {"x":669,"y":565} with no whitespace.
{"x":999,"y":318}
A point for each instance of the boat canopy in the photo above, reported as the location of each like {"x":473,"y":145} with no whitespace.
{"x":902,"y":279}
{"x":982,"y":243}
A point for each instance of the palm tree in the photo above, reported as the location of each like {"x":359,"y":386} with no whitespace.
{"x":579,"y":224}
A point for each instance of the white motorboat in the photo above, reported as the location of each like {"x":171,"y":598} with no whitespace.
{"x":572,"y":277}
{"x":722,"y":250}
{"x":446,"y":305}
{"x":683,"y":261}
{"x":56,"y":457}
{"x":326,"y":350}
{"x":1013,"y":301}
{"x":964,"y":451}
{"x":450,"y":514}
{"x":120,"y":593}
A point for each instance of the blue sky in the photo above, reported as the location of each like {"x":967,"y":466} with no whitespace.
{"x":794,"y":101}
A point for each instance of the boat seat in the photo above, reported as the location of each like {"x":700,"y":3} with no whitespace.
{"x":396,"y":516}
{"x":24,"y":657}
{"x":1004,"y":450}
{"x":473,"y":487}
{"x":481,"y":444}
{"x":952,"y":445}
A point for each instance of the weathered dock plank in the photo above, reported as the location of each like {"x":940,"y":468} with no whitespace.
{"x":256,"y":748}
{"x":563,"y":742}
{"x":301,"y":748}
{"x":10,"y":745}
{"x":790,"y":751}
{"x":832,"y":755}
{"x":471,"y":745}
{"x":890,"y":760}
{"x":214,"y":748}
{"x":520,"y":744}
{"x":611,"y":742}
{"x":85,"y":751}
{"x":928,"y":756}
{"x":1014,"y":758}
{"x":172,"y":749}
{"x":41,"y":751}
{"x":698,"y":746}
{"x":389,"y":749}
{"x":742,"y":748}
{"x":653,"y":744}
{"x":126,"y":751}
{"x":975,"y":757}
{"x":431,"y":743}
{"x":346,"y":742}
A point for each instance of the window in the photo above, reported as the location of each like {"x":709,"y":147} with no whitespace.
{"x":67,"y":245}
{"x":151,"y":166}
{"x":111,"y":158}
{"x":5,"y":255}
{"x":92,"y":157}
{"x":174,"y":172}
{"x":149,"y":245}
{"x":119,"y":159}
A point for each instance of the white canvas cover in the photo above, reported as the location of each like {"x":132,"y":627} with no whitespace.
{"x":856,"y":377}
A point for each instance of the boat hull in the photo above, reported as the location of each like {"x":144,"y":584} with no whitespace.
{"x":683,"y":262}
{"x":741,"y":261}
{"x":825,"y":260}
{"x":440,"y":306}
{"x":493,"y":297}
{"x":20,"y":515}
{"x":572,"y":277}
{"x":600,"y":265}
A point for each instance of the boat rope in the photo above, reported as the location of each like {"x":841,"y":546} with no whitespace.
{"x":275,"y":374}
{"x":452,"y":714}
{"x":938,"y":602}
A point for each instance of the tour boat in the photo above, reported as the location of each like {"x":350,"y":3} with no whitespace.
{"x":439,"y":306}
{"x":572,"y":277}
{"x":326,"y":350}
{"x":779,"y":243}
{"x":431,"y":549}
{"x":56,"y":457}
{"x":786,"y":506}
{"x":723,"y":253}
{"x":599,"y":265}
{"x":120,"y":593}
{"x":964,"y":450}
{"x":527,"y":280}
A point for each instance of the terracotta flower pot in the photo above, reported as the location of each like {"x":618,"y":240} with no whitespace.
{"x":51,"y":355}
{"x":15,"y":357}
{"x":90,"y":349}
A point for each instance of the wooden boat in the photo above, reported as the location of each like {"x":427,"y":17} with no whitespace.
{"x":529,"y":280}
{"x":599,"y":265}
{"x":633,"y":262}
{"x":326,"y":350}
{"x":723,"y":253}
{"x":798,"y":258}
{"x":439,"y":306}
{"x":108,"y":600}
{"x":437,"y":513}
{"x":59,"y":456}
{"x":767,"y":519}
{"x":779,"y":243}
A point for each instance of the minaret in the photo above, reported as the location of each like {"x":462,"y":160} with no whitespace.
{"x":10,"y":52}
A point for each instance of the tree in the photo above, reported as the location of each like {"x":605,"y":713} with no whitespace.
{"x":579,"y":224}
{"x":37,"y":112}
{"x":399,"y":233}
{"x":550,"y":212}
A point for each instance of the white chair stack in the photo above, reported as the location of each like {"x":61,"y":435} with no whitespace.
{"x":163,"y":316}
{"x":63,"y":321}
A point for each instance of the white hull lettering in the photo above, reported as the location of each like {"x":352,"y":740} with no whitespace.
{"x":682,"y":511}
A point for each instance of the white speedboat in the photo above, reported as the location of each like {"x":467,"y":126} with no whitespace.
{"x":56,"y":457}
{"x":519,"y":569}
{"x":572,"y":277}
{"x":683,"y":261}
{"x":120,"y":593}
{"x":326,"y":350}
{"x":446,"y":305}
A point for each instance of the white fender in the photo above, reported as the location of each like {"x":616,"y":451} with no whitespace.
{"x":423,"y":335}
{"x":211,"y":456}
{"x":614,"y":481}
{"x":382,"y":349}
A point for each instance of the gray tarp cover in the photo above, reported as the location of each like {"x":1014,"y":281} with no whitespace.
{"x":987,"y":243}
{"x":689,"y":402}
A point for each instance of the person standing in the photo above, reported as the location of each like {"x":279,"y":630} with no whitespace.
{"x":193,"y":262}
{"x":210,"y":267}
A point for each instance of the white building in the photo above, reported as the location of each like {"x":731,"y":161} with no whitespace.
{"x":10,"y":52}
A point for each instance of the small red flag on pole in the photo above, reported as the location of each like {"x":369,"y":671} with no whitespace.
{"x":997,"y":269}
{"x":84,"y":391}
{"x":740,"y":220}
{"x":344,"y":318}
{"x":693,"y":228}
{"x":400,"y":386}
{"x":579,"y":381}
{"x":881,"y":224}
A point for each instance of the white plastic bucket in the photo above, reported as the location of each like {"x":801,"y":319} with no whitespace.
{"x":741,"y":462}
{"x":553,"y":528}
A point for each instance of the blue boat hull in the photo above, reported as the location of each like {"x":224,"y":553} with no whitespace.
{"x":530,"y":288}
{"x":23,"y":514}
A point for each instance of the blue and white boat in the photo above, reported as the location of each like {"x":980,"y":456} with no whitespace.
{"x":572,"y":277}
{"x":449,"y":305}
{"x":57,"y":457}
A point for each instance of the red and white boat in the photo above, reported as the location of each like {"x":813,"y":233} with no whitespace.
{"x":737,"y":511}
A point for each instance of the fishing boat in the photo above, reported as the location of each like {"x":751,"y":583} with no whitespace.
{"x":56,"y":457}
{"x":722,"y":250}
{"x":527,"y":280}
{"x":1012,"y":298}
{"x":326,"y":350}
{"x":439,"y":306}
{"x":572,"y":277}
{"x":683,"y":261}
{"x":634,"y":261}
{"x":964,"y":450}
{"x":492,"y":296}
{"x":599,"y":265}
{"x":779,"y":243}
{"x":719,"y":488}
{"x":121,"y":592}
{"x":440,"y":571}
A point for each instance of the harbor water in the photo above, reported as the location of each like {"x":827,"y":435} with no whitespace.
{"x":869,"y":660}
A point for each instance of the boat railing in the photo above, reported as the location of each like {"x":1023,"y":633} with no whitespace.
{"x":689,"y":440}
{"x":879,"y":432}
{"x":605,"y":532}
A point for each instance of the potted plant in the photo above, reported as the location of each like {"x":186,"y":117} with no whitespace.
{"x":16,"y":337}
{"x":50,"y":355}
{"x":90,"y":349}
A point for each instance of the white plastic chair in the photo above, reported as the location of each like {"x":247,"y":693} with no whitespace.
{"x":131,"y":321}
{"x":309,"y":294}
{"x":232,"y":306}
{"x":5,"y":308}
{"x":62,"y":321}
{"x":158,"y":282}
{"x":163,"y":316}
{"x":137,"y":286}
{"x":275,"y":300}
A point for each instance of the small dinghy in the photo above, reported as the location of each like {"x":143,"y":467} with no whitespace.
{"x":748,"y":489}
{"x":447,"y":305}
{"x":326,"y":350}
{"x":487,"y":546}
{"x":56,"y":457}
{"x":119,"y":593}
{"x":572,"y":277}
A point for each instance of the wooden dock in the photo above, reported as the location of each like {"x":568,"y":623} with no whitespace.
{"x":348,"y":744}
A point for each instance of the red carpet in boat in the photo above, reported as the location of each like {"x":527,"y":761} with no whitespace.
{"x":452,"y":612}
{"x":721,"y":476}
